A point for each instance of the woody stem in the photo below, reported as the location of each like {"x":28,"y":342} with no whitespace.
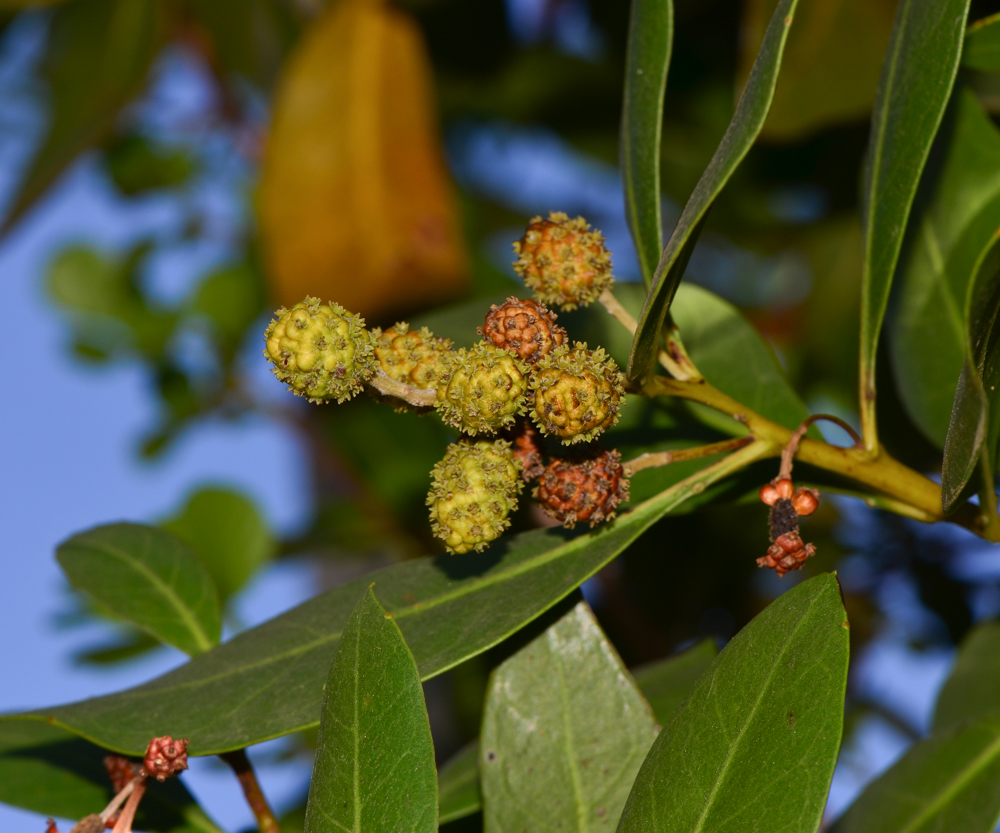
{"x":662,"y":458}
{"x":262,"y":811}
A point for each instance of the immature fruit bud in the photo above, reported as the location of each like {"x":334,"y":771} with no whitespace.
{"x":576,"y":393}
{"x":413,"y":357}
{"x":165,"y":757}
{"x":563,"y":261}
{"x":473,"y":490}
{"x":525,"y":328}
{"x":805,"y":501}
{"x":483,"y":391}
{"x":321,"y":351}
{"x":586,"y":489}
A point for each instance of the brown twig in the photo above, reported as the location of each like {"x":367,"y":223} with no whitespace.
{"x":653,"y":459}
{"x":262,"y":811}
{"x":787,"y":456}
{"x":124,"y":823}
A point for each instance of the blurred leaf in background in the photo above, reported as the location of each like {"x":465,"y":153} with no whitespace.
{"x":355,"y":202}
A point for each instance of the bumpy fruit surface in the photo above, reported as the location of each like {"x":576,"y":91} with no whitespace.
{"x":576,"y":393}
{"x":321,"y":351}
{"x":526,"y":446}
{"x":413,"y":357}
{"x":483,"y":391}
{"x":525,"y":328}
{"x":563,"y":261}
{"x":585,"y":489}
{"x":473,"y":491}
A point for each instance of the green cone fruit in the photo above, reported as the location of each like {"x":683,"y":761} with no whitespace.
{"x":484,"y":390}
{"x":413,"y":357}
{"x":321,"y":351}
{"x":576,"y":393}
{"x":473,"y":491}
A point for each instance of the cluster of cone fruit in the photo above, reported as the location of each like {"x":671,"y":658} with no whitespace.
{"x":524,"y":369}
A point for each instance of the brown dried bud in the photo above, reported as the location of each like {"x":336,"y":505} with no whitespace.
{"x":784,"y":487}
{"x":805,"y":501}
{"x":526,"y":446}
{"x":768,"y":494}
{"x":121,"y":770}
{"x":525,"y":328}
{"x":583,"y":489}
{"x":89,"y":824}
{"x":165,"y":757}
{"x":787,"y":553}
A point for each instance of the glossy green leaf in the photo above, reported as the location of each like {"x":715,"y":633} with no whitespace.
{"x":958,"y":212}
{"x":739,"y":137}
{"x":972,"y":690}
{"x":565,"y":730}
{"x":149,"y":578}
{"x":49,"y":771}
{"x":917,"y":77}
{"x":458,"y":785}
{"x":228,"y":533}
{"x":98,"y":55}
{"x":647,"y":58}
{"x":666,"y":683}
{"x":972,"y":433}
{"x":949,"y":782}
{"x":982,"y":45}
{"x":755,"y":743}
{"x":449,"y":609}
{"x":374,"y":769}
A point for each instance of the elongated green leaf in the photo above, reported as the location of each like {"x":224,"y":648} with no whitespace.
{"x":972,"y":690}
{"x":98,"y":56}
{"x":49,"y":771}
{"x":982,"y":45}
{"x":949,"y":782}
{"x":650,"y":38}
{"x":972,"y":432}
{"x":959,"y":209}
{"x":149,"y":578}
{"x":565,"y":729}
{"x":458,"y":785}
{"x":449,"y":609}
{"x":755,"y":743}
{"x":917,"y":77}
{"x":739,"y":137}
{"x":374,"y":769}
{"x":666,"y":683}
{"x":229,"y":534}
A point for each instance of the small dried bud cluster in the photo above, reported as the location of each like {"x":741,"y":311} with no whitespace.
{"x":525,"y":328}
{"x":524,"y":369}
{"x":587,"y":488}
{"x":563,"y":261}
{"x":787,"y":551}
{"x":165,"y":757}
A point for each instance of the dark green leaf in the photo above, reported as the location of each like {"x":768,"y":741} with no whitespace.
{"x":374,"y":769}
{"x":982,"y":45}
{"x":739,"y":137}
{"x":450,"y":608}
{"x":972,"y":690}
{"x":228,"y":533}
{"x":458,"y":785}
{"x":958,"y":212}
{"x":137,"y":165}
{"x":565,"y":730}
{"x":950,"y":782}
{"x":666,"y":683}
{"x":49,"y":771}
{"x":917,"y":77}
{"x":147,"y":577}
{"x":650,"y":38}
{"x":755,"y":743}
{"x":972,"y":432}
{"x":98,"y":56}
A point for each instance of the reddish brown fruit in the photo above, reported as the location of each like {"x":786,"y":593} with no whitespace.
{"x":525,"y":443}
{"x":526,"y":328}
{"x":805,"y":501}
{"x":165,"y":757}
{"x":121,"y":771}
{"x":588,"y":489}
{"x":787,"y":553}
{"x":784,"y":487}
{"x":768,"y":494}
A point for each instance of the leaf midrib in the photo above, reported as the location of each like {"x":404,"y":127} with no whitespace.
{"x":726,"y":764}
{"x":201,"y":638}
